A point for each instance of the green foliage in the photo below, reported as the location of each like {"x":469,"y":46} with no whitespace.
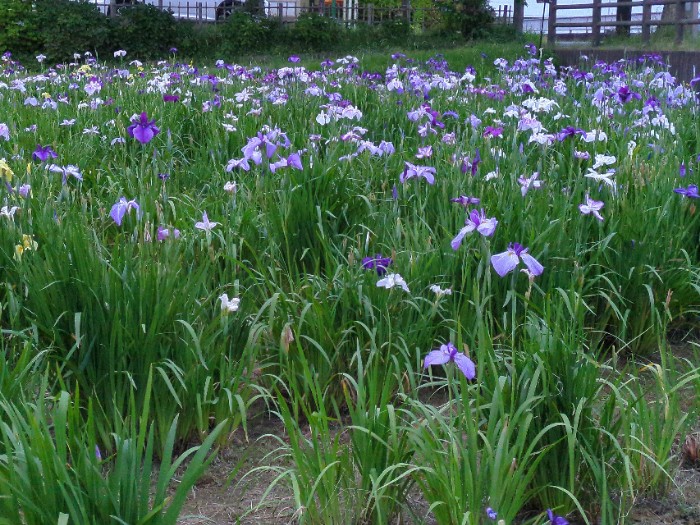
{"x":245,"y":33}
{"x":68,"y":26}
{"x":472,"y":18}
{"x":314,"y":32}
{"x":19,"y":28}
{"x":52,"y":470}
{"x":145,"y":31}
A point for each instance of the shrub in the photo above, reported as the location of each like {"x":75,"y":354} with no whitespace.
{"x":244,"y":32}
{"x":18,"y":28}
{"x":66,"y":27}
{"x":316,"y":32}
{"x":145,"y":31}
{"x":472,"y":18}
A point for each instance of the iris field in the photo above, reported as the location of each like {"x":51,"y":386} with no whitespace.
{"x":454,"y":284}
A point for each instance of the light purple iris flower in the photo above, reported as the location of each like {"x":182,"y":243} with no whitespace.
{"x":592,"y":207}
{"x":143,"y":129}
{"x":206,"y":224}
{"x":411,"y":171}
{"x":238,"y":163}
{"x":682,"y":170}
{"x":43,"y":153}
{"x":121,"y":208}
{"x":163,"y":233}
{"x":506,"y":262}
{"x":294,"y":161}
{"x":71,"y":170}
{"x":475,"y":221}
{"x":691,"y":192}
{"x":447,"y":353}
{"x":424,"y":152}
{"x":529,"y":182}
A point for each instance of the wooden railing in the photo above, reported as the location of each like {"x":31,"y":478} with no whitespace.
{"x":680,"y":18}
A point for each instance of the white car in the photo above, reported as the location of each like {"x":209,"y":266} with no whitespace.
{"x":195,"y":10}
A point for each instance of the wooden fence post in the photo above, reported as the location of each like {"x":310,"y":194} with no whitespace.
{"x":680,"y":16}
{"x":596,"y":22}
{"x":646,"y":22}
{"x":112,"y":8}
{"x":370,"y":14}
{"x":551,"y":23}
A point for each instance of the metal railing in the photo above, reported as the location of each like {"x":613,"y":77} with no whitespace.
{"x":349,"y":11}
{"x":680,"y":14}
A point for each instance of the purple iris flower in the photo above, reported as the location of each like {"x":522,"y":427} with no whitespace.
{"x":469,"y":165}
{"x":682,"y":170}
{"x":529,"y":182}
{"x":395,"y":193}
{"x":569,"y":131}
{"x":71,"y":170}
{"x":294,"y":59}
{"x":556,"y":520}
{"x":411,"y":171}
{"x":377,"y":262}
{"x":121,"y":208}
{"x":475,"y":221}
{"x":238,"y":163}
{"x":43,"y":153}
{"x":492,"y":514}
{"x":294,"y":161}
{"x":506,"y":262}
{"x":624,"y":95}
{"x":466,"y":200}
{"x":691,"y":191}
{"x":143,"y":129}
{"x":490,"y":131}
{"x":170,"y":98}
{"x":447,"y":353}
{"x":592,"y":207}
{"x":164,"y":233}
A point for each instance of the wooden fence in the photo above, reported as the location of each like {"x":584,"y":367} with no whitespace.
{"x":680,"y":17}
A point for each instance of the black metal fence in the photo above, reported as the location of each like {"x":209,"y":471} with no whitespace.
{"x":288,"y":11}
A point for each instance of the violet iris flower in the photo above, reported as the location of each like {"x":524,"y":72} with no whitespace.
{"x":377,"y":262}
{"x":476,"y":221}
{"x":569,"y":131}
{"x":691,"y":191}
{"x":121,"y":208}
{"x":465,"y":200}
{"x":43,"y":153}
{"x":170,"y":98}
{"x":447,"y":353}
{"x":624,"y":95}
{"x":143,"y":129}
{"x":492,"y":514}
{"x":411,"y":171}
{"x":490,"y":131}
{"x":682,"y":170}
{"x":506,"y":262}
{"x":592,"y":207}
{"x":556,"y":520}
